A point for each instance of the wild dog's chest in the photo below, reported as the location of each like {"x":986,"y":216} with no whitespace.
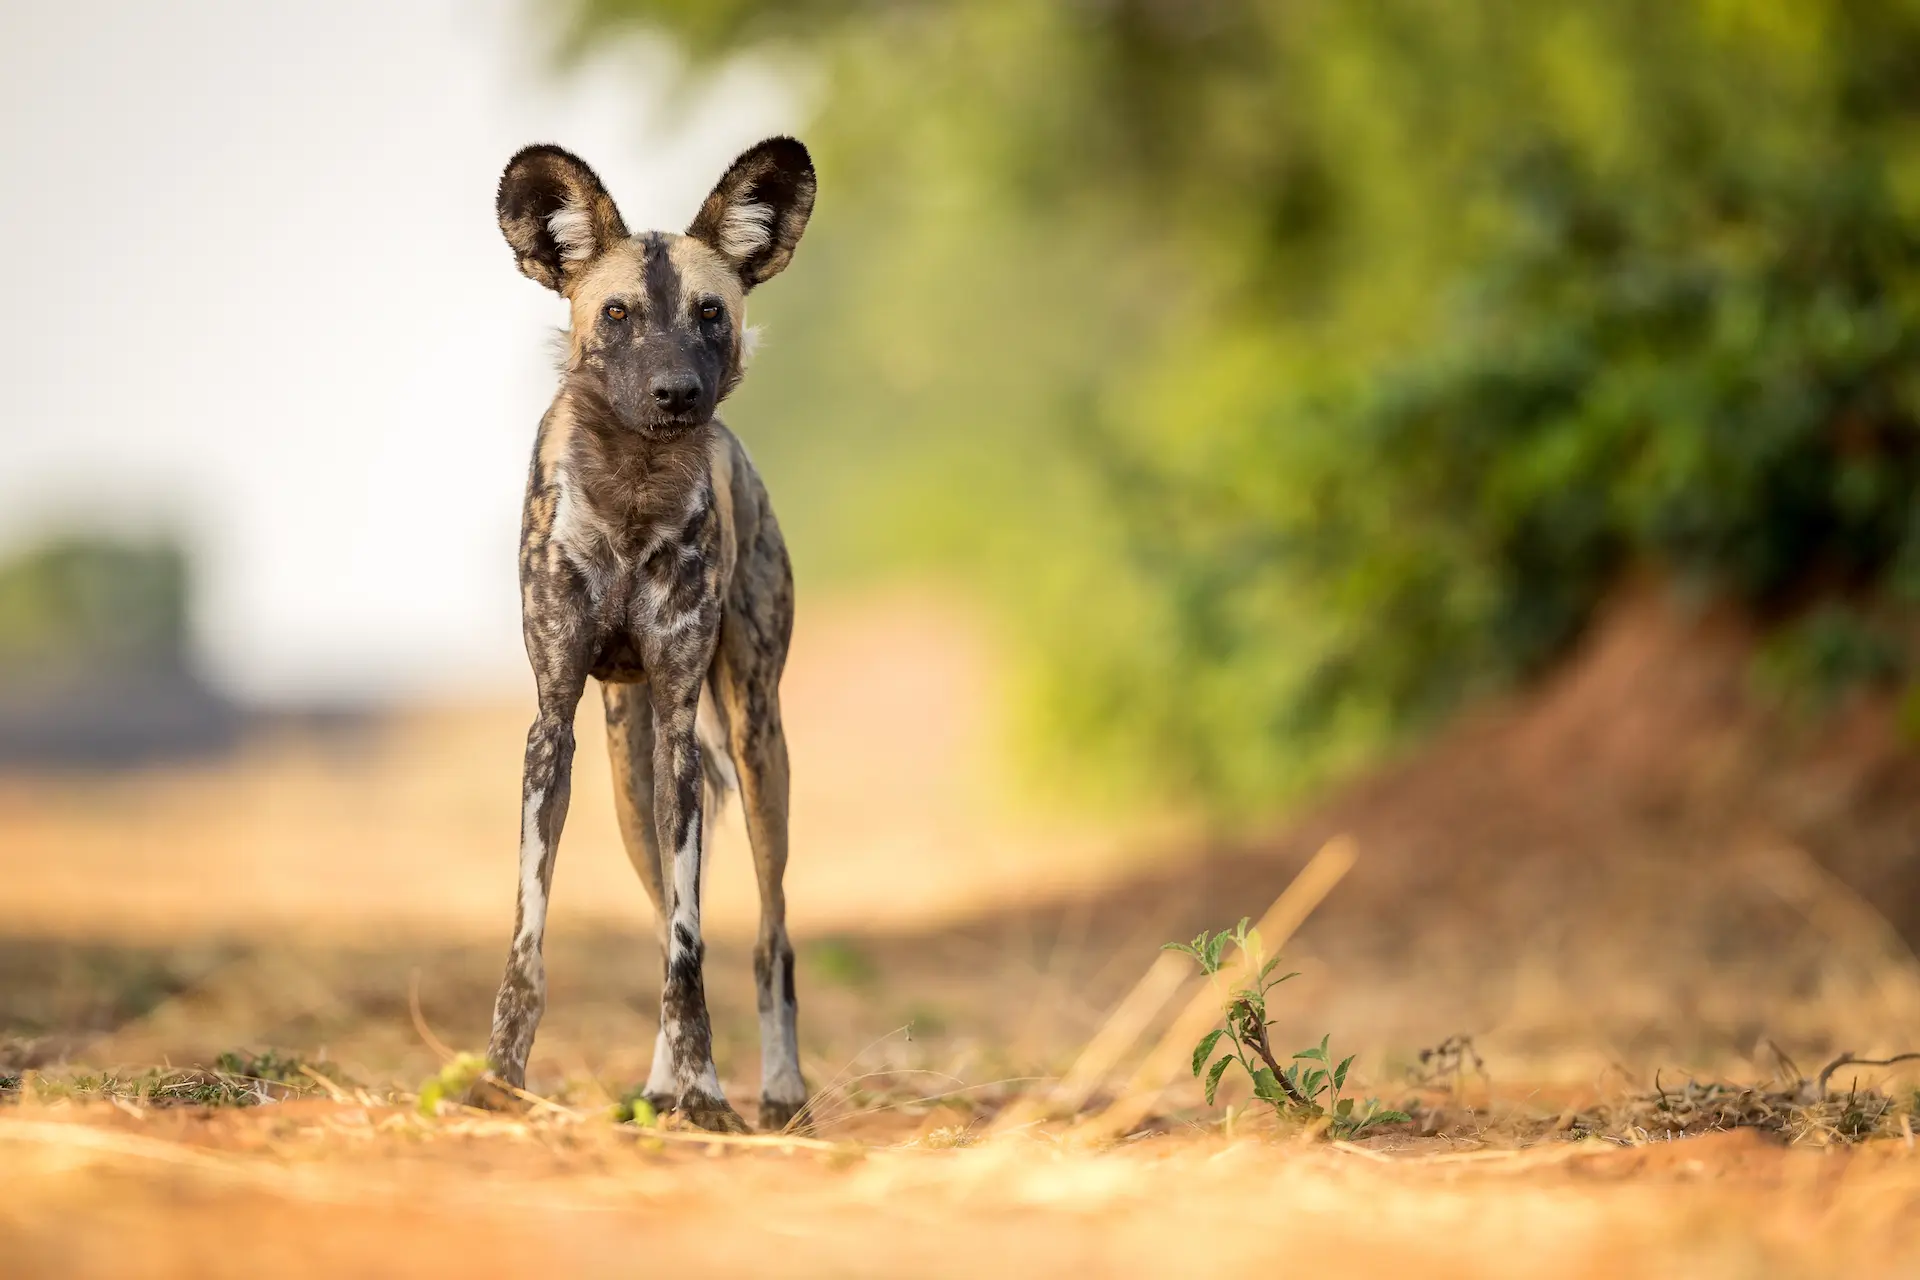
{"x":640,"y":558}
{"x":627,"y":543}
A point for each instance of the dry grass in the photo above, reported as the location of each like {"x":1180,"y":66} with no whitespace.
{"x":325,"y":1188}
{"x":300,"y":1168}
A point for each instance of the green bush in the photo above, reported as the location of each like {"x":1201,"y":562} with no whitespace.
{"x":86,"y":599}
{"x":1288,"y":369}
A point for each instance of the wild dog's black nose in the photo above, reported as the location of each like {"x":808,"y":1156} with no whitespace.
{"x":674,"y":392}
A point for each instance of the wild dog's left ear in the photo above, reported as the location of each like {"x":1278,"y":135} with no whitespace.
{"x":555,"y":214}
{"x":755,"y":215}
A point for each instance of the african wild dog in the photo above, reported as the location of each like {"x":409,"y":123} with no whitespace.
{"x":651,"y":561}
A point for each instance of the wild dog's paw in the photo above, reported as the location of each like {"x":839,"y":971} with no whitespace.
{"x":785,"y":1117}
{"x":712,"y":1114}
{"x":489,"y":1093}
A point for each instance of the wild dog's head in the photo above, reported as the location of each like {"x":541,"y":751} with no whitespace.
{"x":658,"y":318}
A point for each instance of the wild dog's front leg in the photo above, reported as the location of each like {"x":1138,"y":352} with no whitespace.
{"x":686,"y":1032}
{"x":545,"y":785}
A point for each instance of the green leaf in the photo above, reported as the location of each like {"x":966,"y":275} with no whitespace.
{"x":1184,"y":948}
{"x":1204,"y":1050}
{"x":1311,"y":1055}
{"x":1340,"y":1072}
{"x":1315,"y":1081}
{"x":1266,"y":1086}
{"x":1343,"y":1108}
{"x":1213,"y":1076}
{"x":1373,"y":1115}
{"x":1215,"y":947}
{"x":1269,"y":967}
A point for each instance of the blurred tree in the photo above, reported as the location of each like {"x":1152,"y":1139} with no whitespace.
{"x":81,"y":601}
{"x":96,"y":661}
{"x":1291,"y":367}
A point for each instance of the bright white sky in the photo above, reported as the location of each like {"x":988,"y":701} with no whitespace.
{"x":253,"y":291}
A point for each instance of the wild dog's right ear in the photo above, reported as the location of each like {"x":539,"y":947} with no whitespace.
{"x":556,"y":215}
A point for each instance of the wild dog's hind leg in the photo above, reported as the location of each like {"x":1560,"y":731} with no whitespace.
{"x":747,"y":680}
{"x":560,"y":676}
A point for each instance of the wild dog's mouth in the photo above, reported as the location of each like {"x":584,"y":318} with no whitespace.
{"x":672,"y":424}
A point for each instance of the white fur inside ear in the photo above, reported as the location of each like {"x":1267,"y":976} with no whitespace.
{"x":747,"y":229}
{"x":572,"y":229}
{"x":749,"y":343}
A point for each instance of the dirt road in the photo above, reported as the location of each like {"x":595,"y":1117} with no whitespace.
{"x":343,"y":900}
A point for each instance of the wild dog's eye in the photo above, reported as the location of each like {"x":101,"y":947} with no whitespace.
{"x":709,"y":311}
{"x":614,"y":311}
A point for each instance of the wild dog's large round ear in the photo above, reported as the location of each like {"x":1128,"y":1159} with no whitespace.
{"x":556,"y":215}
{"x":756,"y":214}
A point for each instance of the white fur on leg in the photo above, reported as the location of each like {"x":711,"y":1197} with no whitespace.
{"x":686,"y":888}
{"x":662,"y":1084}
{"x":707,"y":1083}
{"x":780,"y":1079}
{"x":533,"y":897}
{"x":660,"y":1075}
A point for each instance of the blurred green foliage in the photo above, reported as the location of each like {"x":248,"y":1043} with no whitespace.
{"x":1291,"y":368}
{"x":80,"y":600}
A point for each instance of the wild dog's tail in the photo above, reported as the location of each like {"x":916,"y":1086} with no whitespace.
{"x":716,"y":765}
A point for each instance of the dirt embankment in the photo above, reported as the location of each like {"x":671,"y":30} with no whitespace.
{"x":1639,"y":859}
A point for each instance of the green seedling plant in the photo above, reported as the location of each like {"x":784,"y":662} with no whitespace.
{"x":1311,"y":1087}
{"x":452,"y":1081}
{"x":633,"y":1108}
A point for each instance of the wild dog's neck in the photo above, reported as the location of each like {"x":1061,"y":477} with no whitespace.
{"x":620,"y":469}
